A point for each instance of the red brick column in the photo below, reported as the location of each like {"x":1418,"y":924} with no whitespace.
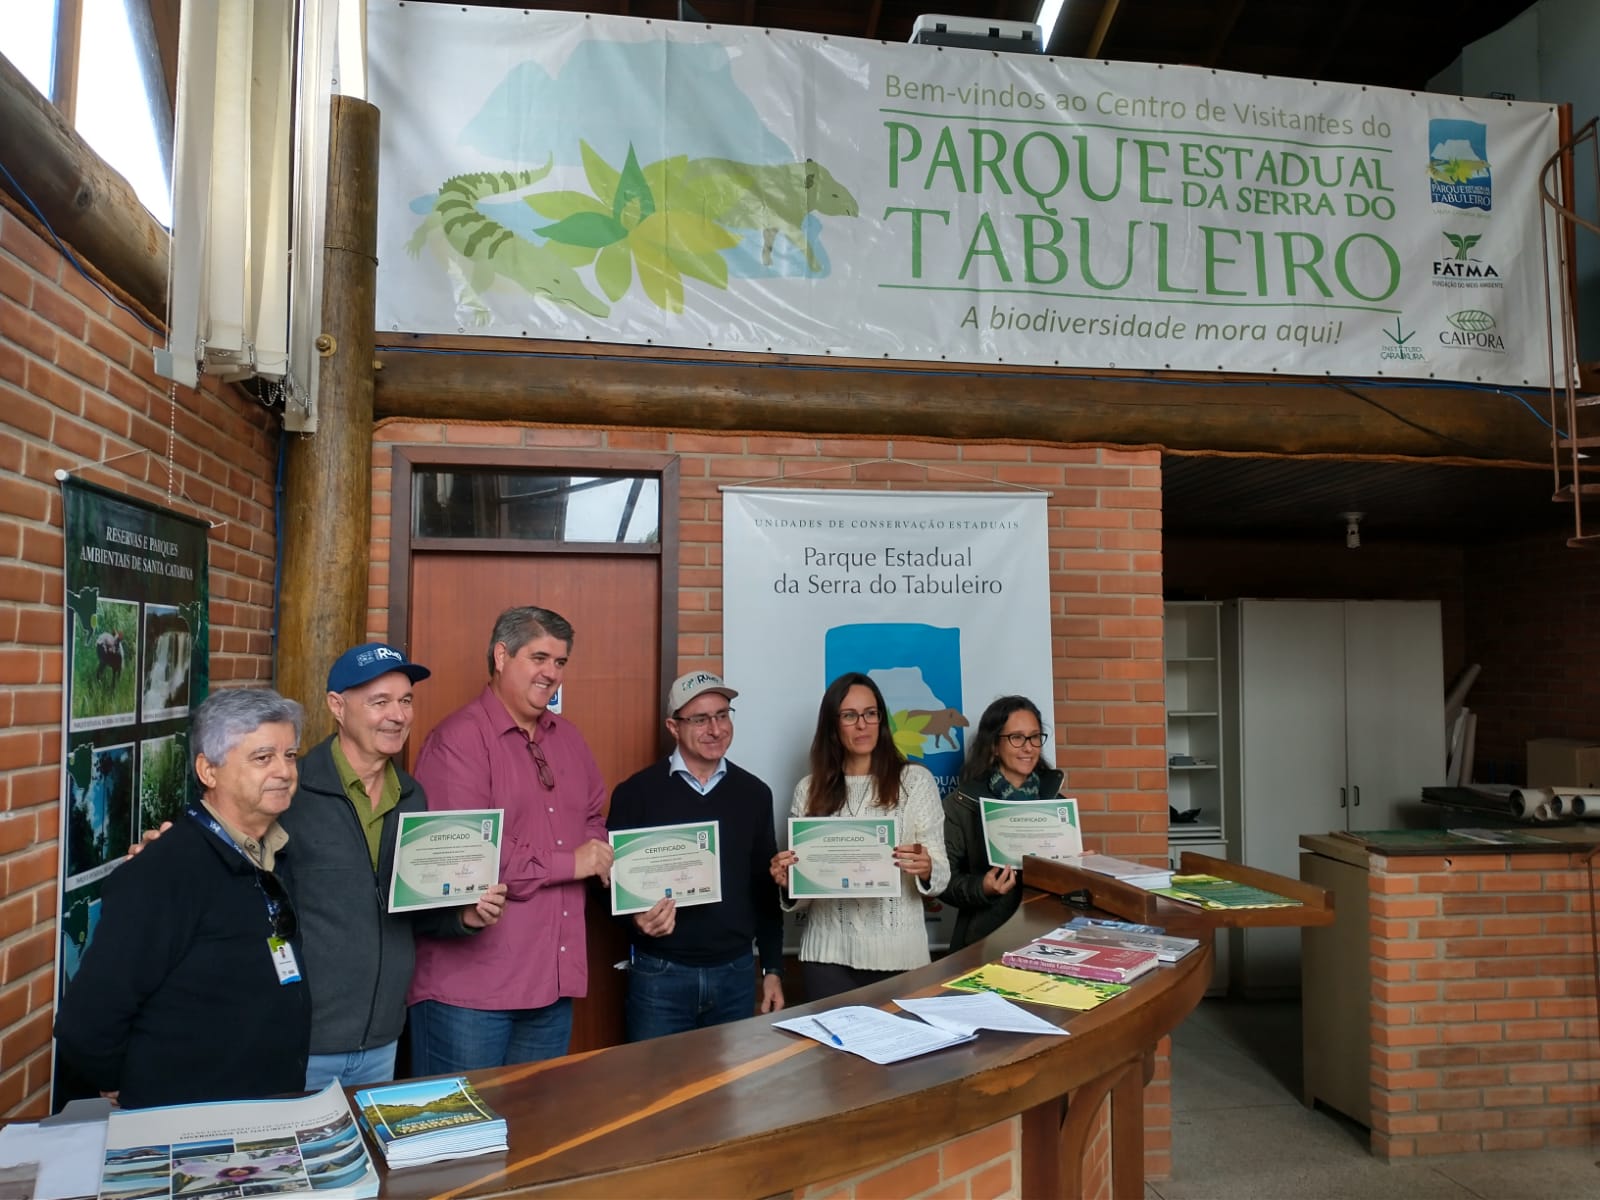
{"x":1484,"y":1033}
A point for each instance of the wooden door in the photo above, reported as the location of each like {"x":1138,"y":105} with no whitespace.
{"x":611,"y":692}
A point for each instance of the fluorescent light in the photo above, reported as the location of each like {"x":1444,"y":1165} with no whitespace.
{"x":1049,"y":16}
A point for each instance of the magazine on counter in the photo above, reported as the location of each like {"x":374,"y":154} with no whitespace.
{"x":278,"y":1148}
{"x":1165,"y":946}
{"x":429,"y":1120}
{"x":1108,"y":964}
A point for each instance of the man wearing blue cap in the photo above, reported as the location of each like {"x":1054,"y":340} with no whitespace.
{"x":344,"y":821}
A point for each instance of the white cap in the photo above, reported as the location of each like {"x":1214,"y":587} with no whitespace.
{"x":696,"y":683}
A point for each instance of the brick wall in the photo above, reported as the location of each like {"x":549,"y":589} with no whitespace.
{"x":1530,"y":604}
{"x":1105,"y":588}
{"x":1484,"y":1033}
{"x":983,"y":1165}
{"x":76,"y":389}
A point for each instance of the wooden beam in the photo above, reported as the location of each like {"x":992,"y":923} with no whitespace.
{"x":88,"y":204}
{"x":147,"y":53}
{"x":1102,"y":28}
{"x":1331,"y":35}
{"x":874,"y":15}
{"x":164,"y":16}
{"x":1222,"y":33}
{"x":781,"y":396}
{"x":64,"y":61}
{"x":327,"y":511}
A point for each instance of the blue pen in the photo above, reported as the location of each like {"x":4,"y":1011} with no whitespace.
{"x":831,"y":1034}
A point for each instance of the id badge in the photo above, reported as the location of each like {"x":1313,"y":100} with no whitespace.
{"x":283,"y":960}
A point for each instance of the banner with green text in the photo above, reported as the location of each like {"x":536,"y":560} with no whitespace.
{"x":606,"y":179}
{"x":137,"y":660}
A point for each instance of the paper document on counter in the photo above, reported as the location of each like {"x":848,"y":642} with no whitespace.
{"x":978,"y":1010}
{"x":68,"y":1156}
{"x":875,"y":1035}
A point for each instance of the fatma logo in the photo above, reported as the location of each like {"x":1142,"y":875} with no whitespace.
{"x":1458,"y":165}
{"x":1459,"y":267}
{"x":1398,"y":348}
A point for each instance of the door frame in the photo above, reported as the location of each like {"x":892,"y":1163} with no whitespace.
{"x":408,"y":459}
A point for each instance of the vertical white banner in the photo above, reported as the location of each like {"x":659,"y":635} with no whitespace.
{"x":943,"y":598}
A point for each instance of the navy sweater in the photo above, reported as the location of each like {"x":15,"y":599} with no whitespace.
{"x":712,"y":934}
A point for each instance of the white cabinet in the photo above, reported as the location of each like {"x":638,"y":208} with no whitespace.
{"x":1334,"y":713}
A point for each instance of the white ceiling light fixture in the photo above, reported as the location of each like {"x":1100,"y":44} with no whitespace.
{"x":1049,"y":16}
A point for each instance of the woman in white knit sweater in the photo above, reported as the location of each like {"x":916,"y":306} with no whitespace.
{"x":856,"y":770}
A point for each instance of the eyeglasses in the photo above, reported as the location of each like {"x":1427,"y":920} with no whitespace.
{"x":547,"y":777}
{"x":701,"y":720}
{"x":869,"y":716}
{"x":1019,"y":740}
{"x":284,"y":923}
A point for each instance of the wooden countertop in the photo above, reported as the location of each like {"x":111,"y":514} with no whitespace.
{"x":1356,"y":848}
{"x":747,"y":1110}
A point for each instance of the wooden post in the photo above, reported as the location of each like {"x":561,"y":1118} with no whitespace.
{"x":327,"y":517}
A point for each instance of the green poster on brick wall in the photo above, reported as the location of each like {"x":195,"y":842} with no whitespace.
{"x":136,"y":661}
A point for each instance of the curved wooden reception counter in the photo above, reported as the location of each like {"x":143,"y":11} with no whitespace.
{"x":748,"y":1110}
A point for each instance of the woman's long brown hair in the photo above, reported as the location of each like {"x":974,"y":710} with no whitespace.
{"x":826,"y":795}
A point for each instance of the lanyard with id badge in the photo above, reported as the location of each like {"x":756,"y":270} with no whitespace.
{"x":280,"y":913}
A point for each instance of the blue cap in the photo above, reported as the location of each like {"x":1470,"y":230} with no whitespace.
{"x":363,"y":664}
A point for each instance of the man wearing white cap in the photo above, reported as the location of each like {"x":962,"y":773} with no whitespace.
{"x":694,"y":967}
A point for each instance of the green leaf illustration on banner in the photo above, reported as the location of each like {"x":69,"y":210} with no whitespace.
{"x":907,"y":732}
{"x":590,"y":229}
{"x":634,"y":201}
{"x":656,"y":222}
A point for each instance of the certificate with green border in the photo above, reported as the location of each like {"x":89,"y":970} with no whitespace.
{"x":445,"y":858}
{"x":659,"y":861}
{"x":1046,"y":828}
{"x":849,"y":857}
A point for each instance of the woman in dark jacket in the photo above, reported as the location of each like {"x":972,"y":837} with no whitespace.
{"x":1005,"y":761}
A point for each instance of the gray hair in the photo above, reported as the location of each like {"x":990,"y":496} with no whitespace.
{"x":516,"y":627}
{"x":225,"y":718}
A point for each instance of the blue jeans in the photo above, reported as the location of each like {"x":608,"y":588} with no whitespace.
{"x":446,"y":1040}
{"x":667,"y":997}
{"x":357,"y":1068}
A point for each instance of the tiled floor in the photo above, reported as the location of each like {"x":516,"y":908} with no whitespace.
{"x":1241,"y":1133}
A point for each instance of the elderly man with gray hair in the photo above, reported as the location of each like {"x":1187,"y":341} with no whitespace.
{"x":191,"y":989}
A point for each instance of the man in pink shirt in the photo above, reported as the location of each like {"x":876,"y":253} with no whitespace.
{"x":505,"y":996}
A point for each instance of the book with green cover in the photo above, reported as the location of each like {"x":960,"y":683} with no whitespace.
{"x":1208,"y":891}
{"x":1056,"y":991}
{"x":429,"y":1120}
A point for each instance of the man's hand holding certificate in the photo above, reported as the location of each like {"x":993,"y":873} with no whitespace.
{"x":677,"y":862}
{"x":445,"y":858}
{"x":1014,"y":828}
{"x":851,"y":857}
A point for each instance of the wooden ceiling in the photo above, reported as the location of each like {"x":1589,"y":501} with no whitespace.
{"x":1390,"y":43}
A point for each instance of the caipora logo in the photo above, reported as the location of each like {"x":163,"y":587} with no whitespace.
{"x":1458,"y":165}
{"x":1472,"y":329}
{"x":1398,"y":347}
{"x":1458,"y":266}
